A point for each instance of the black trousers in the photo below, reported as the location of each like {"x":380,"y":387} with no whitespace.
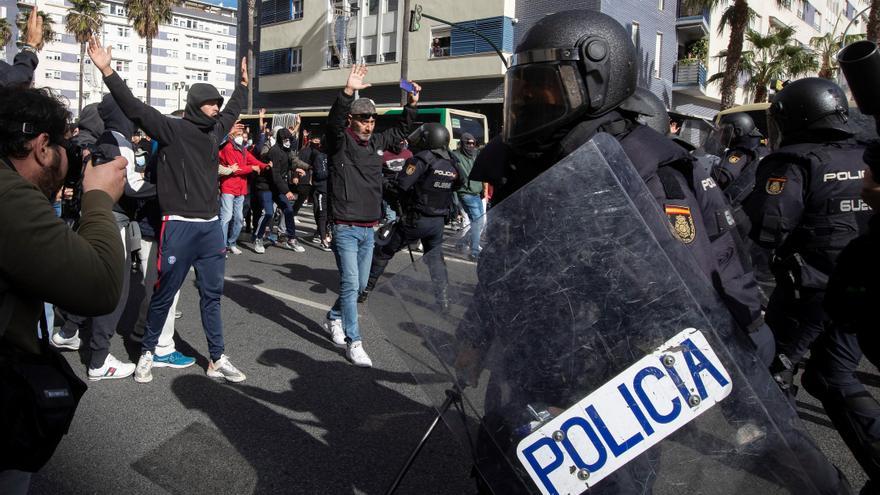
{"x":429,"y":230}
{"x":319,"y":207}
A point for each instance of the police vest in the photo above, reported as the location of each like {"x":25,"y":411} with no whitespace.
{"x":833,"y":215}
{"x":432,"y":194}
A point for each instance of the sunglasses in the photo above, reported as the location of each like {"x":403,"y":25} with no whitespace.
{"x":470,"y":143}
{"x":365,"y":116}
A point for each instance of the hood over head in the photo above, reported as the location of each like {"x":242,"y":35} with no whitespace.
{"x":198,"y":94}
{"x":90,"y":126}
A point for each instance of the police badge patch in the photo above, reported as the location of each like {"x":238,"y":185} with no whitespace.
{"x":410,"y":169}
{"x":775,"y":185}
{"x":734,"y":158}
{"x":682,"y":223}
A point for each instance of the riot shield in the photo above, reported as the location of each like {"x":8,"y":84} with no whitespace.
{"x":588,"y":353}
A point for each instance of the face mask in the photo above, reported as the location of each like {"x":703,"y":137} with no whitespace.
{"x":238,"y":140}
{"x":250,"y":142}
{"x":140,"y":160}
{"x":285,"y":143}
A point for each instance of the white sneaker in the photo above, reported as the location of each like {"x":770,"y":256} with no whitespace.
{"x":224,"y":369}
{"x":337,"y":335}
{"x":59,"y":342}
{"x":113,"y":368}
{"x":144,"y":371}
{"x":358,"y":355}
{"x":234,"y":250}
{"x":295,"y":246}
{"x":258,"y":246}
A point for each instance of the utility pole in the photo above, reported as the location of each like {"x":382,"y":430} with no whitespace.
{"x":404,"y":50}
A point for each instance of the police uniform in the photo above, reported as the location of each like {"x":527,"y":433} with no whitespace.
{"x":806,"y":207}
{"x":425,"y":186}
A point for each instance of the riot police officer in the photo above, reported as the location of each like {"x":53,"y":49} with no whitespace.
{"x":424,"y":187}
{"x":572,"y":77}
{"x":744,"y":151}
{"x":806,"y":207}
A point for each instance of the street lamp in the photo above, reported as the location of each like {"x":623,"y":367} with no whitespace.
{"x":179,"y":86}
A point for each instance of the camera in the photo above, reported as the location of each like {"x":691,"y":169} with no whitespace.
{"x":78,"y":158}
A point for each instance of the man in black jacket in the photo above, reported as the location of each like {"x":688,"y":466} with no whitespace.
{"x":355,"y":161}
{"x":278,"y":191}
{"x":188,"y":194}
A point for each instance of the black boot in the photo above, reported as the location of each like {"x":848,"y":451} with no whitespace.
{"x":371,"y":284}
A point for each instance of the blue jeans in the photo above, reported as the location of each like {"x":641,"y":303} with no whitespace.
{"x":353,"y":249}
{"x":231,"y":208}
{"x":269,"y":203}
{"x":473,"y":206}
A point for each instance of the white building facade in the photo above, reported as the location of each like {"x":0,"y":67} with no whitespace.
{"x":199,"y":45}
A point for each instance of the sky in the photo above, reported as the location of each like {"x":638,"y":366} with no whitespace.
{"x":226,"y":3}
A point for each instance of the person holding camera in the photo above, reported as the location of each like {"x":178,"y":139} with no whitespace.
{"x":190,"y":235}
{"x":80,"y":271}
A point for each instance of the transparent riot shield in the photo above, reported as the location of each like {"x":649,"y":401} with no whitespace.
{"x":589,"y":353}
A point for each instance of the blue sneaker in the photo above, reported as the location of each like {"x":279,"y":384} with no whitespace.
{"x":173,"y":360}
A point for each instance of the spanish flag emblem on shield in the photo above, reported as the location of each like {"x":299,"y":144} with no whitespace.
{"x":682,"y":223}
{"x":775,"y":185}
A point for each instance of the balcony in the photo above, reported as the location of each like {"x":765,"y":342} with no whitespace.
{"x":691,"y":24}
{"x":690,"y":77}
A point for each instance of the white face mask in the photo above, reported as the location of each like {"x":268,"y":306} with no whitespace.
{"x":271,"y":141}
{"x":238,"y":140}
{"x":285,"y":143}
{"x":140,"y":160}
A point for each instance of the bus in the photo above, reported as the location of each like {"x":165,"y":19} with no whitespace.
{"x":456,"y":121}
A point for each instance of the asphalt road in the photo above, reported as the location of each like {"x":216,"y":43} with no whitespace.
{"x":305,"y":421}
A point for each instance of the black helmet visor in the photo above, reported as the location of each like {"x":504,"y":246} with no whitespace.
{"x":537,"y":96}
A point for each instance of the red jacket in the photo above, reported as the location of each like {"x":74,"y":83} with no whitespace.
{"x":236,"y":184}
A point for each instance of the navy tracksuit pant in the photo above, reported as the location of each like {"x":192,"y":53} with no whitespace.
{"x":183,"y":245}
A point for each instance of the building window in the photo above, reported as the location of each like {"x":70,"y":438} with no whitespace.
{"x":123,"y":47}
{"x":462,"y":40}
{"x":392,"y":6}
{"x":373,"y":6}
{"x":220,"y":61}
{"x":222,"y":46}
{"x":122,"y":65}
{"x":168,"y":87}
{"x":52,"y":56}
{"x":441,"y":40}
{"x":141,"y":84}
{"x":297,"y":7}
{"x":634,"y":34}
{"x":198,"y":43}
{"x":389,"y":43}
{"x":117,"y":10}
{"x":282,"y":61}
{"x":123,"y":32}
{"x":296,"y":59}
{"x":658,"y":50}
{"x":53,"y":74}
{"x":280,"y":10}
{"x":197,"y":75}
{"x":173,"y":38}
{"x":173,"y":54}
{"x":333,"y":54}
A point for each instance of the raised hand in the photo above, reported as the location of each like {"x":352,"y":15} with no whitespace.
{"x":244,"y":72}
{"x":414,"y":96}
{"x":35,"y":29}
{"x":101,"y":56}
{"x":356,"y":79}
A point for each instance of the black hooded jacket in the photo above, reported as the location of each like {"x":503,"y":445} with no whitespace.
{"x":186,"y":173}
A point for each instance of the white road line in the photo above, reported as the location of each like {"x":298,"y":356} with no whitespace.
{"x":280,"y":295}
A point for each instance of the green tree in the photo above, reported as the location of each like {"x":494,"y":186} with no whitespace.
{"x":146,"y":16}
{"x":5,"y":32}
{"x":826,"y":48}
{"x":83,"y":20}
{"x":48,"y":29}
{"x":737,"y":17}
{"x":774,"y":55}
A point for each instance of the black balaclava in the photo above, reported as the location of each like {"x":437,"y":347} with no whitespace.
{"x":198,"y":94}
{"x":468,"y":152}
{"x":90,"y":126}
{"x":114,"y":119}
{"x":281,"y":135}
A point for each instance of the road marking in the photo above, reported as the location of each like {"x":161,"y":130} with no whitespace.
{"x":279,"y":295}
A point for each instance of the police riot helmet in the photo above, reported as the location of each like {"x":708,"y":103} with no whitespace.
{"x":569,"y":65}
{"x":741,"y":124}
{"x":430,"y":136}
{"x":808,"y":105}
{"x":650,"y":110}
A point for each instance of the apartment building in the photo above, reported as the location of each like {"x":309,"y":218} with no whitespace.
{"x":199,"y":45}
{"x":303,"y":46}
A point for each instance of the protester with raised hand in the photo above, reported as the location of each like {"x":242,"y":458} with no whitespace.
{"x":21,"y":72}
{"x":189,"y":198}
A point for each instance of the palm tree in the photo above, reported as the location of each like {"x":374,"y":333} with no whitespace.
{"x":83,"y":19}
{"x":48,"y":30}
{"x":145,"y":16}
{"x":773,"y":56}
{"x":737,"y":16}
{"x":873,"y":28}
{"x":5,"y":32}
{"x":826,"y":47}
